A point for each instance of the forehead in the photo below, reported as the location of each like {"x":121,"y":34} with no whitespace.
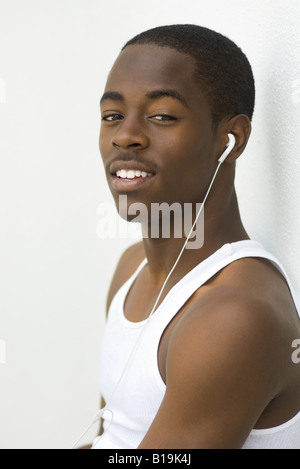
{"x":146,"y":67}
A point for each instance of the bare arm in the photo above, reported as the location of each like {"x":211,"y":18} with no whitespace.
{"x":218,"y":377}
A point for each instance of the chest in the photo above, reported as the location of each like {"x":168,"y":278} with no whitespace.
{"x":171,"y":308}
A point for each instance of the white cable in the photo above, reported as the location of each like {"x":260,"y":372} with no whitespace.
{"x":97,"y":417}
{"x":100,"y":412}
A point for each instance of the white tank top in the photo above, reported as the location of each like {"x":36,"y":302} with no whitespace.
{"x":139,"y":394}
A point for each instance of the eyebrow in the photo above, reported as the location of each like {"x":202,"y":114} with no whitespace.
{"x":155,"y":94}
{"x":112,"y":95}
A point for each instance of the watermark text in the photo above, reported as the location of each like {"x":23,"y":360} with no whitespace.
{"x":296,"y":353}
{"x":161,"y":220}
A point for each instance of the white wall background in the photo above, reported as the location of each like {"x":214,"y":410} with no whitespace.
{"x":54,"y":268}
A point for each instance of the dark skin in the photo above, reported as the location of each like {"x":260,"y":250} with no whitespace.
{"x":226,"y":356}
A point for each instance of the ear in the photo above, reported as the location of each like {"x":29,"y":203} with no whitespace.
{"x":240,"y":127}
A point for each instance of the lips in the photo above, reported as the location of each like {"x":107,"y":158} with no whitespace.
{"x":130,"y":175}
{"x":125,"y":184}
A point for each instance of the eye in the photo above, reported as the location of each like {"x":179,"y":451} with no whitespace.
{"x":163,"y":118}
{"x":112,"y":117}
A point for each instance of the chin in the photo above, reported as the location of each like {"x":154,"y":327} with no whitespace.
{"x":135,"y":212}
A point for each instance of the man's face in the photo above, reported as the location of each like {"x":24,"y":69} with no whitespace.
{"x":156,"y":138}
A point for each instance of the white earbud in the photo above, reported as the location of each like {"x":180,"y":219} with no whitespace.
{"x":228,"y":149}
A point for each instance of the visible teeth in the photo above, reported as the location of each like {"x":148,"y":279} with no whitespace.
{"x":131,"y":173}
{"x":122,"y":173}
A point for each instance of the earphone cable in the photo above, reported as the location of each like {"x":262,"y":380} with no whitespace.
{"x":101,"y":411}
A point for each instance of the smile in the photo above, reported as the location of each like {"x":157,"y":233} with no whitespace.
{"x":127,"y":180}
{"x":132,"y":173}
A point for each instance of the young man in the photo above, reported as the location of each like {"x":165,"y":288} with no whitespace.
{"x":212,"y":367}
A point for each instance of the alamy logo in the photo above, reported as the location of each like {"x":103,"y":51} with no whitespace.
{"x":296,"y":353}
{"x":162,"y":220}
{"x":2,"y":351}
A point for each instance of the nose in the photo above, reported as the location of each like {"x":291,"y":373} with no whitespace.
{"x":130,"y":134}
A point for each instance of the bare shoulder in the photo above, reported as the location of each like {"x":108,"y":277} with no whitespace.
{"x":246,"y":312}
{"x":228,"y":360}
{"x":127,"y":265}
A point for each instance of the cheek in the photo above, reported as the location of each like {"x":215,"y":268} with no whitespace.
{"x":102,"y":141}
{"x":105,"y":146}
{"x":186,"y":153}
{"x":187,"y":169}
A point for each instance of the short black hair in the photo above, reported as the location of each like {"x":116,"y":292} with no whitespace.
{"x":222,"y":69}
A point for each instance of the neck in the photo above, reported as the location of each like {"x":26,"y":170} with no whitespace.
{"x":221,"y":226}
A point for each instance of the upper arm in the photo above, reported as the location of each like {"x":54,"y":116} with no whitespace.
{"x":218,"y":379}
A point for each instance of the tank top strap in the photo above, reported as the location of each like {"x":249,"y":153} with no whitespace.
{"x":204,"y":271}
